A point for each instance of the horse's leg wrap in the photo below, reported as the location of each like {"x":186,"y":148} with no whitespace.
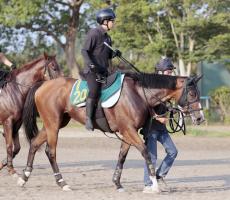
{"x":26,"y":173}
{"x":117,"y":177}
{"x":151,"y":169}
{"x":59,"y":180}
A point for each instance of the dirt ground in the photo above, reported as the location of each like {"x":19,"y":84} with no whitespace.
{"x":87,"y":161}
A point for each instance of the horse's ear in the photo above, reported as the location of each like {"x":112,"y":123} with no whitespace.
{"x":198,"y":78}
{"x":45,"y":55}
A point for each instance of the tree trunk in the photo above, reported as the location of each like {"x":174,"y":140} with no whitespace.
{"x":71,"y":60}
{"x":71,"y":39}
{"x":182,"y":67}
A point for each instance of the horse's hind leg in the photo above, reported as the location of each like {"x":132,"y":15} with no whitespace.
{"x":121,"y":159}
{"x":35,"y":144}
{"x":7,"y":126}
{"x":16,"y":149}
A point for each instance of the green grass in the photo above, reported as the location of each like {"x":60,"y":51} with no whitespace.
{"x":207,"y":132}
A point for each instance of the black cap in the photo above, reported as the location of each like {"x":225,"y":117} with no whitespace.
{"x":165,"y":64}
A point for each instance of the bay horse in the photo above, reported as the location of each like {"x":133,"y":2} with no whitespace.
{"x":13,"y":96}
{"x":140,"y":92}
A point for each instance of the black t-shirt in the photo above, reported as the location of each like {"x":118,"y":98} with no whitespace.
{"x":156,"y":125}
{"x":95,"y":51}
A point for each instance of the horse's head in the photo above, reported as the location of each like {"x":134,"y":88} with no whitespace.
{"x":52,"y":67}
{"x":189,"y":101}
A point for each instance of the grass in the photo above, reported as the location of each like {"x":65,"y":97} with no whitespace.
{"x":208,"y":131}
{"x":213,"y":130}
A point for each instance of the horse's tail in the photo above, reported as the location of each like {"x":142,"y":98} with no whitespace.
{"x":30,"y":113}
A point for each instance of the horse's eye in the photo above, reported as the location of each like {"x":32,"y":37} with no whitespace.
{"x":192,"y":93}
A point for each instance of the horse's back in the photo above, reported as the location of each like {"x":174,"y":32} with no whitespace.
{"x":54,"y":89}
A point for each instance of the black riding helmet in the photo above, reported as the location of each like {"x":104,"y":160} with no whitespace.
{"x":105,"y":14}
{"x":164,"y":64}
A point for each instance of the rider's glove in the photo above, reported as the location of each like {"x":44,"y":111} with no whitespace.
{"x":117,"y":53}
{"x":100,"y":78}
{"x":93,"y":68}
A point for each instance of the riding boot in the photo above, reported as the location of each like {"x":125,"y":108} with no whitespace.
{"x":90,"y":106}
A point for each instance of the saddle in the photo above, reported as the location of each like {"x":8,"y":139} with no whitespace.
{"x":109,"y":95}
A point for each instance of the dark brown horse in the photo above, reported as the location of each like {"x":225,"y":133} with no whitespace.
{"x":13,"y":96}
{"x":140,"y":92}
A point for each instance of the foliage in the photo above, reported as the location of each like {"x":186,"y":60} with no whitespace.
{"x":185,"y":30}
{"x":221,"y":100}
{"x":188,"y":31}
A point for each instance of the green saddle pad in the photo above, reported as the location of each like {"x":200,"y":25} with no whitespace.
{"x":80,"y":90}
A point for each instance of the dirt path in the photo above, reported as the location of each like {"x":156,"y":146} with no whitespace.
{"x":87,"y":162}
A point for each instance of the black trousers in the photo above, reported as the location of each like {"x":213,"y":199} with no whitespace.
{"x":94,"y":86}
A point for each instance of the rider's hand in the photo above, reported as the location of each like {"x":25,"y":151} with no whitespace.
{"x":100,"y":78}
{"x":117,"y":53}
{"x":93,"y":68}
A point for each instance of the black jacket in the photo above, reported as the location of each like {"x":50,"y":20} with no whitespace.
{"x":95,"y":51}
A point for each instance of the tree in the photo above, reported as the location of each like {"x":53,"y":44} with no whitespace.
{"x":185,"y":30}
{"x":54,"y":18}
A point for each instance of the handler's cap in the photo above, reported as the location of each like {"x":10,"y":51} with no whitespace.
{"x":165,"y":64}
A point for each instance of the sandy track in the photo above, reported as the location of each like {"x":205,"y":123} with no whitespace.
{"x":87,"y":162}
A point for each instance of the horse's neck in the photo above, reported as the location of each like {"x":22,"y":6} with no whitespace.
{"x":155,"y":96}
{"x":34,"y":73}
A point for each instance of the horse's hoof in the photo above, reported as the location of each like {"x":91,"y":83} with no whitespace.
{"x":121,"y":189}
{"x":66,"y":188}
{"x":21,"y":182}
{"x":150,"y":189}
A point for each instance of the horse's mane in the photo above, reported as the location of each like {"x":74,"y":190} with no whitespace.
{"x":152,"y":80}
{"x":26,"y":66}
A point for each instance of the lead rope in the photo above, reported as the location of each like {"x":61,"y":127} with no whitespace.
{"x":178,"y":121}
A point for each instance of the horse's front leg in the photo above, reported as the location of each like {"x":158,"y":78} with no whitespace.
{"x":51,"y":154}
{"x":121,"y":159}
{"x":135,"y":139}
{"x":8,"y":130}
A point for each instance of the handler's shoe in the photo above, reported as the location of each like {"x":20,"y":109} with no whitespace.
{"x":163,"y":185}
{"x":149,"y":189}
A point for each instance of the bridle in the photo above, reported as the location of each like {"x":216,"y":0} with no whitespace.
{"x":177,"y":115}
{"x":184,"y":101}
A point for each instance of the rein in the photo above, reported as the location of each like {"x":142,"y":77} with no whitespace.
{"x":176,"y":116}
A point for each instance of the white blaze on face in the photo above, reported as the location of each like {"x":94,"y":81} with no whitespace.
{"x":197,"y":116}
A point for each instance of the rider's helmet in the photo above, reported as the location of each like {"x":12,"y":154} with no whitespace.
{"x":164,"y":64}
{"x":105,"y":14}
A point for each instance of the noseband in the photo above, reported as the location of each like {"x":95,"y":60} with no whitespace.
{"x":184,"y":101}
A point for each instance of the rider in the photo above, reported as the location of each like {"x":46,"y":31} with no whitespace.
{"x":5,"y":61}
{"x":4,"y":73}
{"x":156,"y":131}
{"x":97,"y":59}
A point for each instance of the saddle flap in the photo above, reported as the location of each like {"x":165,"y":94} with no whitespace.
{"x":80,"y":90}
